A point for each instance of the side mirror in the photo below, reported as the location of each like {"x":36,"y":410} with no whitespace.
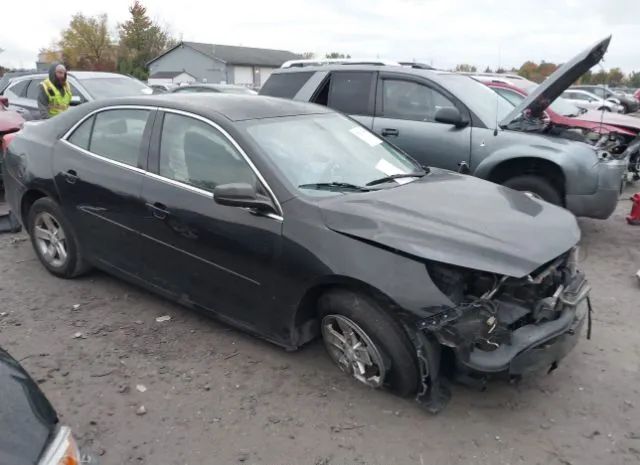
{"x":242,"y":195}
{"x":75,"y":100}
{"x":450,"y":115}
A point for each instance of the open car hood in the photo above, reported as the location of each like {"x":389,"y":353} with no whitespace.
{"x":538,"y":100}
{"x":461,"y":220}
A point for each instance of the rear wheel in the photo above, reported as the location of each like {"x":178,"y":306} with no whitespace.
{"x":537,"y":186}
{"x":366,"y":343}
{"x":54,"y":240}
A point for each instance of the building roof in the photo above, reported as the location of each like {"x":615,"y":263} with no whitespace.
{"x":166,"y":74}
{"x":232,"y":54}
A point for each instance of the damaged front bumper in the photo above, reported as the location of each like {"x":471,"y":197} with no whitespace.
{"x":520,"y":348}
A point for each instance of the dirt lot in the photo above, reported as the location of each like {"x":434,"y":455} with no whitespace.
{"x":215,"y":395}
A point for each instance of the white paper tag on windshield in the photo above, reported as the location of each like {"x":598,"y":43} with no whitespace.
{"x":390,"y":169}
{"x":365,"y":136}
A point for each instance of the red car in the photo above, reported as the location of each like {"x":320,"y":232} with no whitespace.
{"x":611,"y":131}
{"x":637,"y":95}
{"x":10,"y":121}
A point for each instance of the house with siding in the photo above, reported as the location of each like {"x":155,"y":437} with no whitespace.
{"x":214,"y":63}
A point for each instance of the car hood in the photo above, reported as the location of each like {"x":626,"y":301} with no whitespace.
{"x":456,"y":219}
{"x":542,"y":96}
{"x":27,"y":419}
{"x":614,"y":119}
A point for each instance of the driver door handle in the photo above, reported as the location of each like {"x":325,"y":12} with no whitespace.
{"x":70,"y":176}
{"x":158,"y":210}
{"x":390,"y":132}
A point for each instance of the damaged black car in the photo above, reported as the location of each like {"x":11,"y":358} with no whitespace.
{"x":292,"y":222}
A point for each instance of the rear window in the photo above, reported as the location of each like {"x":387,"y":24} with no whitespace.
{"x":285,"y":85}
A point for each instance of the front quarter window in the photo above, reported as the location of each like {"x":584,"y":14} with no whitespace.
{"x":328,"y":149}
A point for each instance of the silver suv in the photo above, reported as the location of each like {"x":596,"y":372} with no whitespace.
{"x":452,"y":121}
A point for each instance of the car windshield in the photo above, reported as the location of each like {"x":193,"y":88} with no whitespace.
{"x":108,"y":87}
{"x":565,"y":108}
{"x":484,"y":102}
{"x":331,"y":150}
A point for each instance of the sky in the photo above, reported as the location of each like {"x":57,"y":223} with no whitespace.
{"x":442,"y":33}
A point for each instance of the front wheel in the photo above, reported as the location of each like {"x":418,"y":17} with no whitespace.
{"x":54,"y":240}
{"x":367,"y":343}
{"x":537,"y":186}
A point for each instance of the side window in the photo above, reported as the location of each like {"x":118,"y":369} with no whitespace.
{"x":34,"y":89}
{"x":17,"y":90}
{"x":82,"y":135}
{"x":76,"y":93}
{"x":195,"y":153}
{"x":513,"y":97}
{"x":412,"y":101}
{"x":598,"y":91}
{"x":350,"y":92}
{"x":285,"y":85}
{"x":117,"y":134}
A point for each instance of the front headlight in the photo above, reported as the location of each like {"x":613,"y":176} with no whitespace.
{"x":62,"y":450}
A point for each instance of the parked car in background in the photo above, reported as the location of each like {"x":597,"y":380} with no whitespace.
{"x":615,"y":133}
{"x":630,"y":105}
{"x":636,"y":95}
{"x":589,"y":101}
{"x":450,"y":121}
{"x":293,"y":222}
{"x":162,"y":88}
{"x":86,"y":86}
{"x":31,"y":431}
{"x":219,"y":88}
{"x":10,"y":122}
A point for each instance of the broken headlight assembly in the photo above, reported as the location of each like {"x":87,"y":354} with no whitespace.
{"x":489,"y":307}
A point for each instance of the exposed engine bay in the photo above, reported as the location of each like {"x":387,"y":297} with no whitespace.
{"x":490,"y":309}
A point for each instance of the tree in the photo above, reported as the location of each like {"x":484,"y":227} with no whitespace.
{"x":634,"y":79}
{"x":586,"y":78}
{"x":464,"y":68}
{"x":488,"y":70}
{"x":336,"y":55}
{"x":528,"y":69}
{"x":615,"y":77}
{"x":86,"y":44}
{"x":308,"y":55}
{"x":600,"y":77}
{"x":140,"y":41}
{"x":546,"y":69}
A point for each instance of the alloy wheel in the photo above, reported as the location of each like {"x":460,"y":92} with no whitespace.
{"x":50,"y":239}
{"x":352,"y":350}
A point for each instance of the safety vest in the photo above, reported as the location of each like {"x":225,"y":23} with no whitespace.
{"x":58,"y":102}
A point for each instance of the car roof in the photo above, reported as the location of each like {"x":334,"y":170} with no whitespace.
{"x":434,"y":75}
{"x":235,"y":107}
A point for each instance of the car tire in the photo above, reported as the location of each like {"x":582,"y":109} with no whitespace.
{"x":54,"y":240}
{"x":604,"y":109}
{"x":384,"y":339}
{"x":537,"y":186}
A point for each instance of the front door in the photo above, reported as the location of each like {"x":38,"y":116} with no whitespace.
{"x":405,"y":116}
{"x":215,"y":257}
{"x":99,"y":177}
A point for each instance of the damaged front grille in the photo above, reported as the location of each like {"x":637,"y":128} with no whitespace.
{"x":489,"y":307}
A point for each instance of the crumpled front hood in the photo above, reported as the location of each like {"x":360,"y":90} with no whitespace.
{"x":614,"y":119}
{"x":26,"y":416}
{"x":544,"y":94}
{"x":457,"y":219}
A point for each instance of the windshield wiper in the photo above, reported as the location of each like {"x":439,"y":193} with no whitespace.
{"x":417,"y":174}
{"x":334,"y":186}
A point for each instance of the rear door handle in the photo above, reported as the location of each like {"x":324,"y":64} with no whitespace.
{"x":71,"y":176}
{"x":390,"y":132}
{"x":158,"y":210}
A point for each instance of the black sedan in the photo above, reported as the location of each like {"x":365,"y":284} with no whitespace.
{"x":31,"y":432}
{"x":292,"y":221}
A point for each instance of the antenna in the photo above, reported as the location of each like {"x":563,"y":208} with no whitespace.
{"x":495,"y":129}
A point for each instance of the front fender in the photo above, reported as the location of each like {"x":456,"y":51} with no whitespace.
{"x":577,"y":161}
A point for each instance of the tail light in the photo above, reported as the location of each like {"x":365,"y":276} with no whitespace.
{"x":4,"y":101}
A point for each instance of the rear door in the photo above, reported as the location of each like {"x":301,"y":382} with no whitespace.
{"x":98,"y":172}
{"x":404,"y":115}
{"x":218,"y":258}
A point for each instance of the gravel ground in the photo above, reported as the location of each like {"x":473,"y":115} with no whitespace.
{"x":215,"y":395}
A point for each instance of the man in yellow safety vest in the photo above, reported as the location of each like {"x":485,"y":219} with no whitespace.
{"x":55,"y":93}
